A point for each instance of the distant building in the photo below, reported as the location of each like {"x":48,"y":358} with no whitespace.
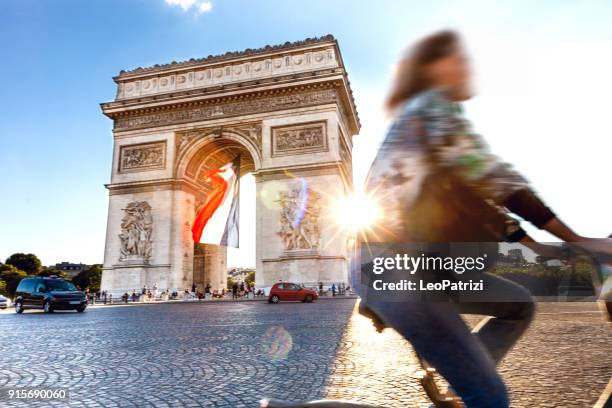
{"x":238,"y":273}
{"x":71,"y":269}
{"x":515,"y":258}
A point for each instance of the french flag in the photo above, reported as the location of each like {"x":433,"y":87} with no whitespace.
{"x":217,"y":221}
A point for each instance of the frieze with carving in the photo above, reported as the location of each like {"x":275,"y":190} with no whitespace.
{"x":299,"y":219}
{"x":233,"y":108}
{"x":297,"y":139}
{"x":232,"y":55}
{"x":206,"y":76}
{"x":146,"y":156}
{"x":136,"y":233}
{"x":249,"y":131}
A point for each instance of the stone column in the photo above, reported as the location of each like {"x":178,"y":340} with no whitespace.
{"x":215,"y":266}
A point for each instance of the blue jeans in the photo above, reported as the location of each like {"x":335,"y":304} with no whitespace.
{"x":466,"y":359}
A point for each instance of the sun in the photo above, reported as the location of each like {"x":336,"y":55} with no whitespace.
{"x":356,"y":212}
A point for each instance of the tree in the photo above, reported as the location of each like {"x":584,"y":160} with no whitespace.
{"x":89,"y":278}
{"x":230,"y":282}
{"x":11,"y":276}
{"x":95,"y":277}
{"x":250,"y":279}
{"x":29,"y":263}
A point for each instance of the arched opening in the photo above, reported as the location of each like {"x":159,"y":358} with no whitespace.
{"x":211,"y":263}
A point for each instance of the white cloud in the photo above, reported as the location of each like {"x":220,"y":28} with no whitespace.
{"x":200,"y":6}
{"x":205,"y":7}
{"x":184,"y":4}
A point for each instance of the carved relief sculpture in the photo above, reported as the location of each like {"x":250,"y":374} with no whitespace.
{"x":136,"y":231}
{"x":140,"y":157}
{"x":297,"y":139}
{"x":299,"y":218}
{"x":231,"y":108}
{"x":250,"y":131}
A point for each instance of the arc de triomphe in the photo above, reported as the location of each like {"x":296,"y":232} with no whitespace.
{"x":287,"y":110}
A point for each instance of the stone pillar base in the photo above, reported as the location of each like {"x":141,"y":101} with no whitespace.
{"x":119,"y":279}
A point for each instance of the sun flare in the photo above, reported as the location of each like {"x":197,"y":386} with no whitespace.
{"x":357,"y":212}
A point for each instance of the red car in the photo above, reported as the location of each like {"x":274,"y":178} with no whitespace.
{"x":291,"y":291}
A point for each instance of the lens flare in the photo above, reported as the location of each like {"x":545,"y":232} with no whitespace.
{"x":277,"y":343}
{"x":356,"y":212}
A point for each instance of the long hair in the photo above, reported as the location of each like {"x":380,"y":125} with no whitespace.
{"x":411,"y":75}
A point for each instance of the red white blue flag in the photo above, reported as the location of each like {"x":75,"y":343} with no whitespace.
{"x":217,"y":221}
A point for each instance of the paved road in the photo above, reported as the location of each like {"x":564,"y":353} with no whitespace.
{"x":231,"y":355}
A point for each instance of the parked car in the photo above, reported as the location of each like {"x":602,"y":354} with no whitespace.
{"x":291,"y":291}
{"x":49,"y":294}
{"x":4,"y":302}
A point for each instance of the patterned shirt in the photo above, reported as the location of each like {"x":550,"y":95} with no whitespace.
{"x":431,"y":132}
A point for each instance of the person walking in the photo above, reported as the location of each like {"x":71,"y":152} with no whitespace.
{"x":234,"y":291}
{"x":207,"y":291}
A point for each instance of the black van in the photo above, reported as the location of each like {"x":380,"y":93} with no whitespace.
{"x":48,"y":294}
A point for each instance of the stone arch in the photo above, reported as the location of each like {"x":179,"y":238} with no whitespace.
{"x":199,"y":151}
{"x":215,"y":148}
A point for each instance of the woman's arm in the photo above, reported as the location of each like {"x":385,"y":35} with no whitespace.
{"x":451,"y":144}
{"x":560,"y":230}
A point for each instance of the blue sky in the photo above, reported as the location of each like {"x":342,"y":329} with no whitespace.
{"x":543,"y":79}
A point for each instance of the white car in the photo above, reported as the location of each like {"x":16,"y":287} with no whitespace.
{"x":4,"y":302}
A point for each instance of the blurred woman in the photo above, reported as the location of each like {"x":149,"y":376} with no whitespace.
{"x":437,"y":182}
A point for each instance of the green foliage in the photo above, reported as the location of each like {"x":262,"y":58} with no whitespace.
{"x":543,"y":280}
{"x":3,"y":288}
{"x":89,"y":278}
{"x":29,"y":263}
{"x":95,"y":277}
{"x":230,"y":282}
{"x":11,"y":276}
{"x":250,"y":279}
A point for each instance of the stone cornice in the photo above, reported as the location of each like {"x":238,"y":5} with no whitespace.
{"x":228,"y":56}
{"x":238,"y":104}
{"x":304,"y":257}
{"x":316,"y":59}
{"x":131,"y":187}
{"x":123,"y":107}
{"x":233,"y":71}
{"x":153,"y":185}
{"x":306,"y":170}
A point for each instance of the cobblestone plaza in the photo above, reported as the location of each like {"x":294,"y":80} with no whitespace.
{"x":232,"y":354}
